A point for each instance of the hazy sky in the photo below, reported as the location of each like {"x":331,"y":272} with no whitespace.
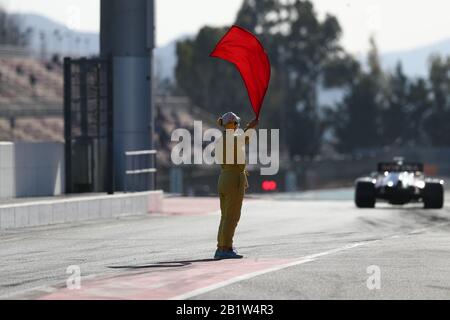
{"x":397,"y":24}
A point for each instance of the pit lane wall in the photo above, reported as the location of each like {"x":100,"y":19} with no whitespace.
{"x":31,"y":169}
{"x":29,"y":213}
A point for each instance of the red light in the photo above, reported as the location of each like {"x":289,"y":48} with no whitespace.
{"x":269,"y":185}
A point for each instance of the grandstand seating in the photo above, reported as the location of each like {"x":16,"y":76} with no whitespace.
{"x":49,"y":83}
{"x":18,"y":93}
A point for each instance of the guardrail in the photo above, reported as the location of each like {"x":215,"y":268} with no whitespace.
{"x":12,"y":51}
{"x":140,"y":170}
{"x":36,"y":109}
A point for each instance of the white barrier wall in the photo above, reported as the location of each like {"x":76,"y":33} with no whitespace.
{"x":7,"y":175}
{"x":78,"y":208}
{"x":31,"y":169}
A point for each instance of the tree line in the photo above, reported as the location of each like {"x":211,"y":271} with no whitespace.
{"x":11,"y":32}
{"x":378,"y":108}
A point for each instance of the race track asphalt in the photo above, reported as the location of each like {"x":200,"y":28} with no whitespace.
{"x":296,"y":246}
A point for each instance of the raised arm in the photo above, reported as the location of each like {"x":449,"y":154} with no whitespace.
{"x":251,"y":125}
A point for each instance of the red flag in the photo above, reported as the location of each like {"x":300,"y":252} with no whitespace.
{"x":244,"y":50}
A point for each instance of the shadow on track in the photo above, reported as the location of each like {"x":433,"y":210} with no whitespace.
{"x":404,"y":217}
{"x":165,"y":264}
{"x":423,"y":215}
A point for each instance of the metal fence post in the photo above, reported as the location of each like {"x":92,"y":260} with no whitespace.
{"x":68,"y":124}
{"x":139,"y":183}
{"x":110,"y":126}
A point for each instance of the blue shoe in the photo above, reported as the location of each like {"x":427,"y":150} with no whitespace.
{"x":219,"y":254}
{"x":234,"y":254}
{"x":226,"y":254}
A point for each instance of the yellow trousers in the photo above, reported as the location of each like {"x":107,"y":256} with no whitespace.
{"x":231,"y":186}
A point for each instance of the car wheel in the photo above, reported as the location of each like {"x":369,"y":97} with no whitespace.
{"x":365,"y":194}
{"x":433,"y":196}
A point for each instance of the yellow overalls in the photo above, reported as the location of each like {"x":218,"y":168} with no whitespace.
{"x":231,"y":187}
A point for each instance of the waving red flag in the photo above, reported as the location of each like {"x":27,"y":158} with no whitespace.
{"x":244,"y":50}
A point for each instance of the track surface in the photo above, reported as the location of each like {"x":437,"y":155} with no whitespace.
{"x":296,"y":246}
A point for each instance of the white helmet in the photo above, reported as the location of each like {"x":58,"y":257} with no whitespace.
{"x":229,"y":117}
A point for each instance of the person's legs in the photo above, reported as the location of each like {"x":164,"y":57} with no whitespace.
{"x":227,"y":224}
{"x":221,"y":241}
{"x":230,"y":204}
{"x":236,"y":207}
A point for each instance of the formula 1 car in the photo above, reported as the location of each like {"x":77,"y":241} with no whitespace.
{"x":399,"y":183}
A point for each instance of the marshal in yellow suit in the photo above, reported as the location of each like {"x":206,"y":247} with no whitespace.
{"x":232,"y":181}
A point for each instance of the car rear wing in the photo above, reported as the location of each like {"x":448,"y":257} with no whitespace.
{"x":396,"y":167}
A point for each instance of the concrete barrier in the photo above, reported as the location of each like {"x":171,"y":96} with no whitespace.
{"x":31,"y":169}
{"x":32,"y":213}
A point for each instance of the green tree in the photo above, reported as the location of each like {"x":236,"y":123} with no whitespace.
{"x":10,"y":31}
{"x":301,"y":49}
{"x":341,"y":71}
{"x":419,"y":106}
{"x":211,"y":84}
{"x":437,"y":120}
{"x":395,"y":123}
{"x":356,"y":121}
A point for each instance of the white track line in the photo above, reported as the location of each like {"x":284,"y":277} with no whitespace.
{"x":303,"y":260}
{"x":306,"y":259}
{"x":310,"y":258}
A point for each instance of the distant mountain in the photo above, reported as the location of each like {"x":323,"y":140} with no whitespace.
{"x":415,"y":61}
{"x":62,"y":40}
{"x":57,"y":37}
{"x":166,"y":59}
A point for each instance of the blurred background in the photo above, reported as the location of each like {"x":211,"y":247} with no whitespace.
{"x":353,"y":82}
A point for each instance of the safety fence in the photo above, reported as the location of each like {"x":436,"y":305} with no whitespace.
{"x":140,"y":170}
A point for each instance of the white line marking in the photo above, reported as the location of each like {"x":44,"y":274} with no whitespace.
{"x":300,"y":261}
{"x":306,"y":259}
{"x":303,"y":260}
{"x":22,"y":294}
{"x":76,"y":198}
